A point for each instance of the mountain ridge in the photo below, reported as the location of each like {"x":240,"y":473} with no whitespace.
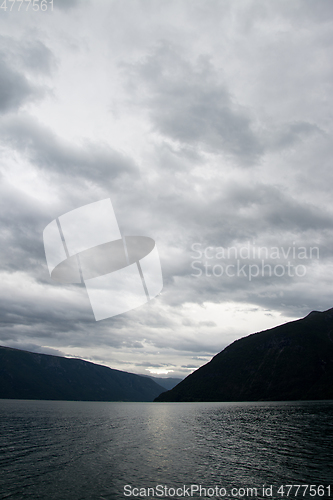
{"x":293,"y":361}
{"x":30,"y":375}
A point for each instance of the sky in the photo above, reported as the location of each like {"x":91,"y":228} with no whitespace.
{"x":208,"y":123}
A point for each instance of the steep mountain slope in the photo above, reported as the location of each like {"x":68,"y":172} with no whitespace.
{"x":293,"y":361}
{"x":27,"y":375}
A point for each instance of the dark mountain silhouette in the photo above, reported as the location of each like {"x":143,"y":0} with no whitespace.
{"x":27,"y":375}
{"x":293,"y":361}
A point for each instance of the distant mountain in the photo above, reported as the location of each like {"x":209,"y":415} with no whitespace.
{"x":27,"y":375}
{"x":293,"y":361}
{"x":168,"y":383}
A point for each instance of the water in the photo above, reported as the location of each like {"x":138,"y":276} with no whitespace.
{"x":81,"y":450}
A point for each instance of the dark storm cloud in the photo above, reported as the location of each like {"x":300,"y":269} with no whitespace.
{"x":15,"y":90}
{"x":270,"y":207}
{"x":255,"y":213}
{"x":189,"y":104}
{"x":50,"y":314}
{"x":44,"y":149}
{"x":289,"y":295}
{"x":21,"y":223}
{"x":290,"y":134}
{"x":19,"y":64}
{"x":56,"y":162}
{"x":36,"y":57}
{"x":32,"y":56}
{"x":233,"y":212}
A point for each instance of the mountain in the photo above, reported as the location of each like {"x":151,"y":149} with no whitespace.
{"x":293,"y":361}
{"x":27,"y":375}
{"x":168,"y":382}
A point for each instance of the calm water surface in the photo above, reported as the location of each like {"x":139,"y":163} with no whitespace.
{"x":81,"y":450}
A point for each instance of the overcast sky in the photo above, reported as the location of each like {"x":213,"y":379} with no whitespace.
{"x":208,"y":123}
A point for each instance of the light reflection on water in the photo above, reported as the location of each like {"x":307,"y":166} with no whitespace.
{"x":82,"y":450}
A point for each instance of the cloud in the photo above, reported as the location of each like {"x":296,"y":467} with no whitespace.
{"x":221,"y":137}
{"x":33,"y":57}
{"x":15,"y":90}
{"x":52,"y":154}
{"x":19,"y":65}
{"x":289,"y":134}
{"x":188,"y":103}
{"x":44,"y":176}
{"x":67,"y":4}
{"x":36,"y":57}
